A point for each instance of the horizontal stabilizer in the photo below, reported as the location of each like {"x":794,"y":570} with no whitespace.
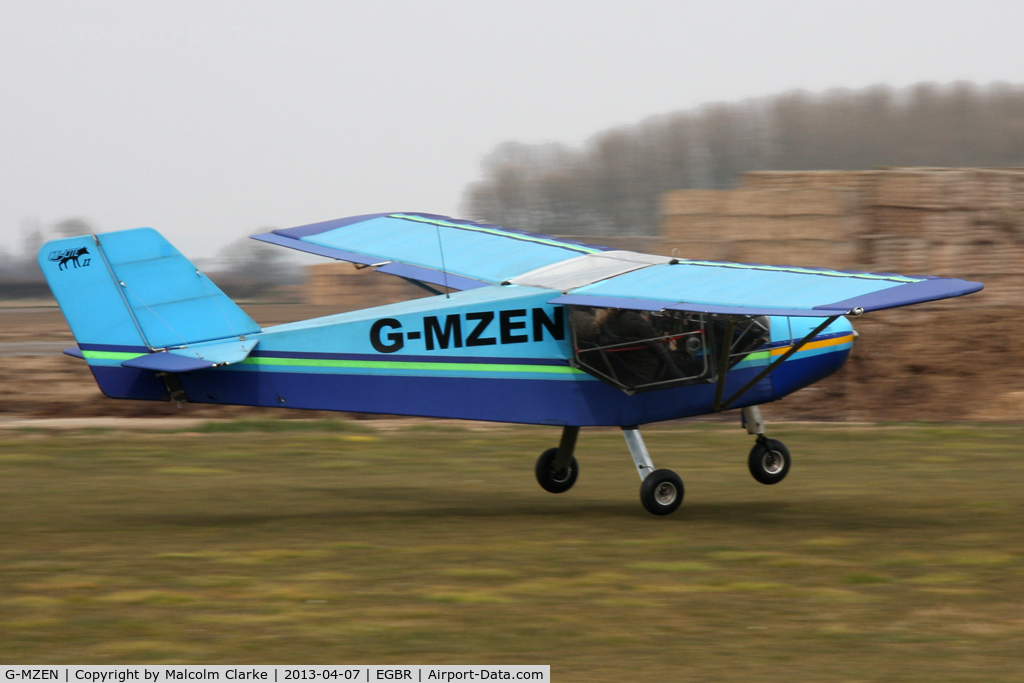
{"x":162,"y":361}
{"x":195,"y":357}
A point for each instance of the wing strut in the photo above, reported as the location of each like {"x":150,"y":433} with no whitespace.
{"x":719,"y":405}
{"x":723,"y":361}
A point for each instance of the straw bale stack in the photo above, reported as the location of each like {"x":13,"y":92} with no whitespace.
{"x":966,"y":223}
{"x":792,"y":180}
{"x":342,"y":286}
{"x":694,"y":203}
{"x":762,"y":225}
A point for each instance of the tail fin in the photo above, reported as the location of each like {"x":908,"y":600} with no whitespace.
{"x":133,"y":288}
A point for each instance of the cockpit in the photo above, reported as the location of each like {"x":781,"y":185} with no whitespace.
{"x":638,"y":351}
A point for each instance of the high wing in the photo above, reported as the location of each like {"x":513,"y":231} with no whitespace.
{"x":433,"y":249}
{"x":755,"y":289}
{"x":464,"y":255}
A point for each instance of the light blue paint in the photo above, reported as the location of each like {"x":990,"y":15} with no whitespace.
{"x":801,"y":327}
{"x":133,"y":288}
{"x":219,"y":352}
{"x":484,"y":256}
{"x":735,"y":287}
{"x":88,"y":296}
{"x":173,"y":303}
{"x":350,"y":332}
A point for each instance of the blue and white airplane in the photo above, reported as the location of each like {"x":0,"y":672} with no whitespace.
{"x":535,"y":330}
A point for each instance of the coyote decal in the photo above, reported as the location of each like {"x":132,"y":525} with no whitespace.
{"x":62,"y":258}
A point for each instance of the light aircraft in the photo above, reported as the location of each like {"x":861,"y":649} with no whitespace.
{"x":527,"y":328}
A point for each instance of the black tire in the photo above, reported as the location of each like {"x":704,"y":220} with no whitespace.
{"x":551,"y":481}
{"x":769,"y":461}
{"x":662,"y":492}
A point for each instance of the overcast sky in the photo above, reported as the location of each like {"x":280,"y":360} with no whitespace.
{"x":208,"y":120}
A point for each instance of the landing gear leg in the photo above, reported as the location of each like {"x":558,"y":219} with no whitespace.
{"x":769,"y":458}
{"x":557,"y":468}
{"x":661,"y":491}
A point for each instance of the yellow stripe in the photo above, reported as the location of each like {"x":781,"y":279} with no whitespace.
{"x":847,"y":339}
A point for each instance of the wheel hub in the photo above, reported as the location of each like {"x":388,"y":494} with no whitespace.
{"x":772,"y":462}
{"x":561,"y":476}
{"x":666,"y":493}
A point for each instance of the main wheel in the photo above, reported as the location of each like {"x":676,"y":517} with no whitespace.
{"x":662,"y":492}
{"x":549,"y":479}
{"x":769,"y":461}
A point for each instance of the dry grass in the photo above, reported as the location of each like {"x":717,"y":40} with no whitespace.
{"x":889,"y":554}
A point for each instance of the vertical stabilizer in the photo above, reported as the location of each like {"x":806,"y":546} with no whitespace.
{"x":133,"y":288}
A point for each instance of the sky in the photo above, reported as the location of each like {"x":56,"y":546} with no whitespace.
{"x":209,"y":120}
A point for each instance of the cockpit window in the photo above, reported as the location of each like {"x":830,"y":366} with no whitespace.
{"x":644,"y":350}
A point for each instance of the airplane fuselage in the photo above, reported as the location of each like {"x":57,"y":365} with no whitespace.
{"x":497,"y":353}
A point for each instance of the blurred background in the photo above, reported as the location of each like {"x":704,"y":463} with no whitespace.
{"x":879,"y":136}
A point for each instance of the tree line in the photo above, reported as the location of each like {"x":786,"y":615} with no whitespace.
{"x":611,"y":184}
{"x":244,"y":268}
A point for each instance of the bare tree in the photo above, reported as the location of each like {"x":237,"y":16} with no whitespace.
{"x":611,"y":184}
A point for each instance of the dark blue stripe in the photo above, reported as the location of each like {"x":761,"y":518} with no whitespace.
{"x":326,"y":226}
{"x":329,"y":252}
{"x":114,"y":347}
{"x":527,"y":401}
{"x":904,"y":295}
{"x":797,"y":373}
{"x":409,"y":359}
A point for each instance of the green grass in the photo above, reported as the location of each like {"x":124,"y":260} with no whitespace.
{"x":890,"y":553}
{"x":275,"y":425}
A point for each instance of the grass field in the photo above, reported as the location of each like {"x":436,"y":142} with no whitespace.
{"x":892,"y":553}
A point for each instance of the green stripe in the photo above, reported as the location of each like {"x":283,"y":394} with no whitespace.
{"x":369,"y":364}
{"x":402,"y":365}
{"x":802,"y":271}
{"x":500,"y":233}
{"x":110,"y":355}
